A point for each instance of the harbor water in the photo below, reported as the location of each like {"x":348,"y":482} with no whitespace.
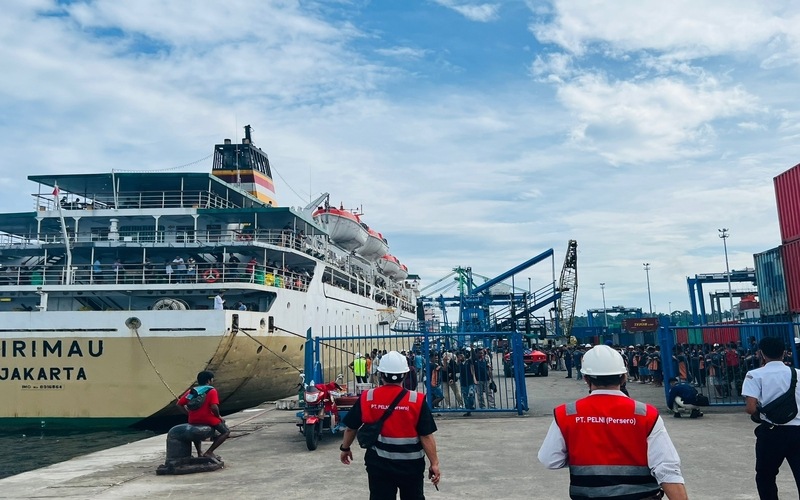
{"x":28,"y":450}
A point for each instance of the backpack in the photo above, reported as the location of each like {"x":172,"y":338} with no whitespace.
{"x":731,"y":357}
{"x":783,"y":409}
{"x":197,"y":396}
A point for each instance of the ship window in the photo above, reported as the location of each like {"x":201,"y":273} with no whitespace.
{"x":284,"y":348}
{"x":260,"y":348}
{"x":271,"y":324}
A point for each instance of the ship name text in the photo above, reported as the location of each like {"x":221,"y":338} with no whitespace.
{"x":50,"y":374}
{"x":50,"y":348}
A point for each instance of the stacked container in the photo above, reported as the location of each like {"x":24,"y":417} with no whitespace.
{"x":787,"y":195}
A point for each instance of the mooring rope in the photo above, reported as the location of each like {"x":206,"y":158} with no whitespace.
{"x":136,"y":330}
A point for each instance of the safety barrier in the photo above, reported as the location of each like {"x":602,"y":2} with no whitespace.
{"x":717,"y":365}
{"x":500,"y":385}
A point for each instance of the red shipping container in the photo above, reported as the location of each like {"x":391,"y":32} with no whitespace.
{"x":681,"y":336}
{"x":721,"y":335}
{"x":790,"y":252}
{"x":787,"y":196}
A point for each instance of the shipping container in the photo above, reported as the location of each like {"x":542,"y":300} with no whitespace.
{"x":721,"y":334}
{"x":626,"y":339}
{"x":681,"y":336}
{"x":787,"y":196}
{"x":771,"y":283}
{"x":790,"y":252}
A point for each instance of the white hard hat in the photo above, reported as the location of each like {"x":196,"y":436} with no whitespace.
{"x":393,"y":362}
{"x":358,"y":354}
{"x":602,"y":360}
{"x":588,"y":345}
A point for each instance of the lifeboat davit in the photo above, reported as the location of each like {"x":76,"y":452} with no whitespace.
{"x":390,"y":266}
{"x":344,"y":227}
{"x":375,"y":247}
{"x":403,"y":274}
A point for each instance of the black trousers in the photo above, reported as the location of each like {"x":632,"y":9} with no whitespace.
{"x":773,"y":445}
{"x":384,"y":486}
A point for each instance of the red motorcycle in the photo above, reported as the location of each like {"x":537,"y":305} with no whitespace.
{"x":320,"y":411}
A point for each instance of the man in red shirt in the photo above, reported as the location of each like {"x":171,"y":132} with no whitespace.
{"x":207,"y":413}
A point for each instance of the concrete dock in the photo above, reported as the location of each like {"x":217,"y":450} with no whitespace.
{"x":483,"y":456}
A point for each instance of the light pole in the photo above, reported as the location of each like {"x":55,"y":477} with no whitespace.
{"x":649,"y":299}
{"x":605,"y":314}
{"x":723,"y":233}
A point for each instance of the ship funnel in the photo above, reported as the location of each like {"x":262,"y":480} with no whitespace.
{"x":247,"y":137}
{"x":227,"y":141}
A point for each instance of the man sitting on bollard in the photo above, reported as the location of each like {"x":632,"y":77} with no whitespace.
{"x":683,"y":396}
{"x":201,"y":403}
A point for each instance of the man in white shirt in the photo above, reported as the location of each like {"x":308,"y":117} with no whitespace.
{"x":774,"y":442}
{"x":219,"y":302}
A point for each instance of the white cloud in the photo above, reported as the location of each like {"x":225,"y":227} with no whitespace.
{"x":692,"y":29}
{"x":402,"y":52}
{"x":657,"y":119}
{"x":480,"y":12}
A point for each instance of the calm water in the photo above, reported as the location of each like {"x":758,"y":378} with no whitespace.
{"x":31,"y":450}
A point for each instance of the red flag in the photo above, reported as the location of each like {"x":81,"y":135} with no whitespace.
{"x":56,"y":191}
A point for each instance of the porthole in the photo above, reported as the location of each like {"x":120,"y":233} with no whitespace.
{"x":263,"y":323}
{"x":301,"y":346}
{"x":284,"y":348}
{"x":288,"y":305}
{"x":260,"y":348}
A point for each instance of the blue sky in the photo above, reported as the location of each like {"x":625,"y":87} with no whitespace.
{"x":472,"y":133}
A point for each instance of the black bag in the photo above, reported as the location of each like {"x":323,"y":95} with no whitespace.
{"x":367,"y":434}
{"x":783,"y":409}
{"x":701,"y":400}
{"x":493,"y":386}
{"x":197,"y":396}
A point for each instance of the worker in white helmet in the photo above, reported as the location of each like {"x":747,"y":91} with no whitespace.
{"x":396,"y":459}
{"x":614,"y":446}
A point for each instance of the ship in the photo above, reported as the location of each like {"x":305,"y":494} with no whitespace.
{"x":108,"y":290}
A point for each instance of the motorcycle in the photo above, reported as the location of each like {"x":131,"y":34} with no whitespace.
{"x":320,"y":411}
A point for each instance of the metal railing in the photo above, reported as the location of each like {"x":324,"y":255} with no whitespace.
{"x":117,"y":274}
{"x":277,"y":237}
{"x":140,"y":200}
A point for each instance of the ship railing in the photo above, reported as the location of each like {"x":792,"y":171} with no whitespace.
{"x":346,"y":281}
{"x":139,"y":200}
{"x":276,"y":237}
{"x":218,"y":274}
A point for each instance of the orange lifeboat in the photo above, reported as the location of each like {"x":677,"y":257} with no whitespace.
{"x":390,"y":266}
{"x":345,"y":227}
{"x":375,"y":247}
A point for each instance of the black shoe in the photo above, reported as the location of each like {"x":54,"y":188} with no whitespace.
{"x":677,"y":414}
{"x":468,"y":414}
{"x":696,"y":414}
{"x":567,"y":376}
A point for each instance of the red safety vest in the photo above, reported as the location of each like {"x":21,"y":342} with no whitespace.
{"x":398,"y":439}
{"x":606,"y":438}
